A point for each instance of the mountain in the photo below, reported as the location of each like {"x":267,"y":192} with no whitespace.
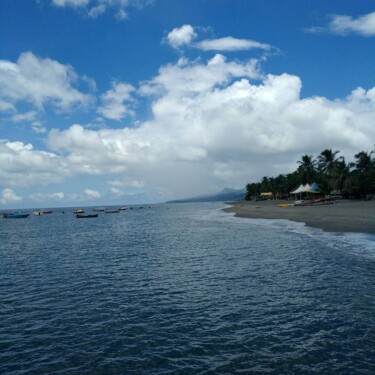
{"x":222,"y":196}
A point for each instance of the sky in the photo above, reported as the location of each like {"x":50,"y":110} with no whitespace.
{"x":106,"y":102}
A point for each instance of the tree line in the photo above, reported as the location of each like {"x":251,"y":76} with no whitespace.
{"x":329,"y":170}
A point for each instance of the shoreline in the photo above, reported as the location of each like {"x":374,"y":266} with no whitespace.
{"x":343,"y":216}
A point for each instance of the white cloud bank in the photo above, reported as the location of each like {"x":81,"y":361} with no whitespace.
{"x":214,"y":123}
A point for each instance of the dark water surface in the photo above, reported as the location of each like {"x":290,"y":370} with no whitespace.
{"x":183,"y":289}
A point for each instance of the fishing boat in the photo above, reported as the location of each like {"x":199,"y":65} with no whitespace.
{"x":42,"y":212}
{"x":112,"y":211}
{"x":85,"y":216}
{"x":79,"y":211}
{"x":15,"y":215}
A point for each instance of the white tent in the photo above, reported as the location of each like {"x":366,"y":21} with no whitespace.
{"x":301,"y":189}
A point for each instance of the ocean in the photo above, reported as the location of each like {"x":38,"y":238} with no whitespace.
{"x":183,"y":289}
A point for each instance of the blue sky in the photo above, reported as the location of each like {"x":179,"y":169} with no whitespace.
{"x":127,"y":101}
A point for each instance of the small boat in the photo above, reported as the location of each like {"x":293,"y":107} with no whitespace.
{"x":42,"y":212}
{"x":112,"y":211}
{"x":15,"y":215}
{"x":99,"y":209}
{"x":79,"y":211}
{"x":284,"y":205}
{"x":123,"y":208}
{"x":85,"y":216}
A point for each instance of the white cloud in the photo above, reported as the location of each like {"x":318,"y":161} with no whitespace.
{"x":72,"y":3}
{"x":117,"y":101}
{"x":180,"y":36}
{"x":92,"y":194}
{"x":39,"y":82}
{"x":343,"y":25}
{"x":97,"y":11}
{"x":49,"y":197}
{"x":95,"y":8}
{"x":215,"y":123}
{"x":9,"y":196}
{"x":213,"y":126}
{"x":230,"y":44}
{"x":185,"y":35}
{"x":364,"y":25}
{"x":21,"y":165}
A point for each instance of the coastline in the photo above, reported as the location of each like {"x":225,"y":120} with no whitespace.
{"x":342,"y":216}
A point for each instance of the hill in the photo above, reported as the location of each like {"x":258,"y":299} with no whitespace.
{"x":222,"y":196}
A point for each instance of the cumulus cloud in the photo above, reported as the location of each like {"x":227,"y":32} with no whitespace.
{"x":9,"y":196}
{"x":220,"y":123}
{"x":214,"y":123}
{"x":117,"y":101}
{"x":92,"y":194}
{"x":344,"y":24}
{"x":180,"y":36}
{"x":39,"y":82}
{"x":21,"y":165}
{"x":95,"y":8}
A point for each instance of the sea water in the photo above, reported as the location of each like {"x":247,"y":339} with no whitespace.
{"x":183,"y":289}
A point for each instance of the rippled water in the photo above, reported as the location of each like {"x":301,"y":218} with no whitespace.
{"x":183,"y":289}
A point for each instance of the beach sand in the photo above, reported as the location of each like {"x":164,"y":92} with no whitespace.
{"x":342,"y":216}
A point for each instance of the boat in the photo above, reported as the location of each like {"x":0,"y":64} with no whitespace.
{"x":15,"y":215}
{"x":99,"y":209}
{"x":42,"y":212}
{"x":112,"y":211}
{"x":123,"y":208}
{"x":79,"y":211}
{"x":284,"y":205}
{"x":85,"y":216}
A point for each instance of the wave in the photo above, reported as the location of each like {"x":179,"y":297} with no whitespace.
{"x":361,"y":244}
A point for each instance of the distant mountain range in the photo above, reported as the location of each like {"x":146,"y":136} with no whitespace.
{"x":224,"y":195}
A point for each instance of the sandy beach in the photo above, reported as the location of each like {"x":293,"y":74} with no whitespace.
{"x":342,"y":216}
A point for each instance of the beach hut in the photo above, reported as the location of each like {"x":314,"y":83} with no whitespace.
{"x":266,"y":195}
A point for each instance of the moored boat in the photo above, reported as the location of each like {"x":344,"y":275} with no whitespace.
{"x":79,"y":211}
{"x":112,"y":211}
{"x":15,"y":215}
{"x":85,"y":216}
{"x":42,"y":212}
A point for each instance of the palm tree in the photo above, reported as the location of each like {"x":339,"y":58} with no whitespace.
{"x":327,"y":160}
{"x":365,"y":162}
{"x":341,"y":174}
{"x":364,"y":172}
{"x":307,"y":168}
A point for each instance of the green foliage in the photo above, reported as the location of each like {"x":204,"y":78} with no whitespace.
{"x":329,"y":171}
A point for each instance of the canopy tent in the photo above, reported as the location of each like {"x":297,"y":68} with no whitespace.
{"x":313,"y":188}
{"x":301,"y":189}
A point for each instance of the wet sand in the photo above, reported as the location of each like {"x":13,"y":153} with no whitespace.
{"x":342,"y":216}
